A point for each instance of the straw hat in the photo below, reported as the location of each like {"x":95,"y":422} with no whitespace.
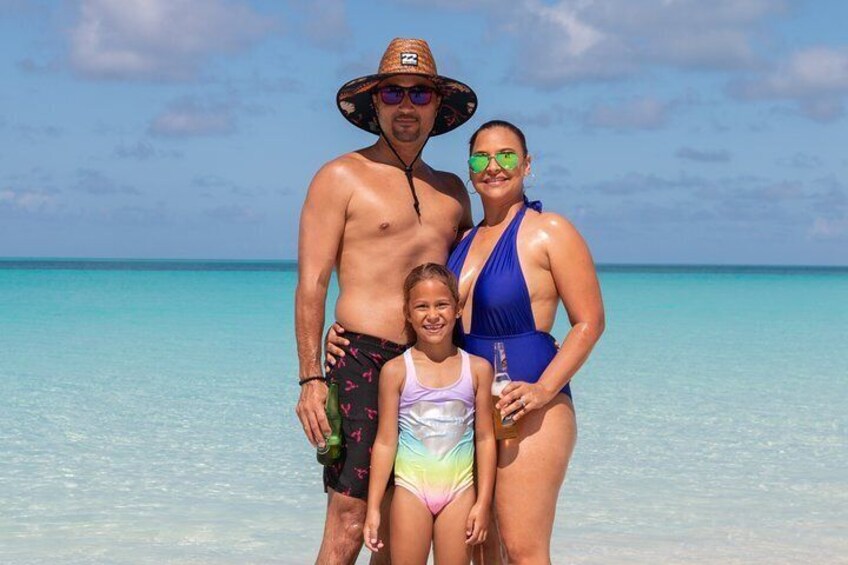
{"x":407,"y":57}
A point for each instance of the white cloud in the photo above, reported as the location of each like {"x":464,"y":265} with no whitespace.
{"x":96,"y":183}
{"x":641,"y":183}
{"x":326,"y":24}
{"x":235,"y":213}
{"x":637,"y":113}
{"x":703,"y":155}
{"x":816,"y":78}
{"x":801,"y":160}
{"x":828,"y":228}
{"x":22,"y":7}
{"x":31,"y":133}
{"x":142,"y":150}
{"x":577,"y":40}
{"x":188,"y":117}
{"x":27,"y":200}
{"x":158,"y":39}
{"x":557,"y":46}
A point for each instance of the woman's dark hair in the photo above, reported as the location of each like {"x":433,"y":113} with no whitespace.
{"x":498,"y":124}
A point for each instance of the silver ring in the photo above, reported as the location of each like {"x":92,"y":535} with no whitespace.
{"x":523,"y":404}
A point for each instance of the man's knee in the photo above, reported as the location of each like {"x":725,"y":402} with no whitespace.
{"x":347,"y":514}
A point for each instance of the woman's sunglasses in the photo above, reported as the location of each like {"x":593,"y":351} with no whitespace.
{"x":506,"y":160}
{"x":393,"y":95}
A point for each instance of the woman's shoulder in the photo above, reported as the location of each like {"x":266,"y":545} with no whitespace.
{"x":552,"y":226}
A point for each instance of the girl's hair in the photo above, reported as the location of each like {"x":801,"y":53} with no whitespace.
{"x":498,"y":124}
{"x":430,"y":271}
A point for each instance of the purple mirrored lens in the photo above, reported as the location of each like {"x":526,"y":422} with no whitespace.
{"x":420,"y":96}
{"x":391,"y":95}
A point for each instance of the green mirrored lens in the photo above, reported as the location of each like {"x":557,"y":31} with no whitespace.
{"x":478,"y":163}
{"x":507,"y":160}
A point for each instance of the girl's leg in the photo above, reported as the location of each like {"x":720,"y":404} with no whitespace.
{"x":449,"y":545}
{"x":411,"y":529}
{"x":530,"y":473}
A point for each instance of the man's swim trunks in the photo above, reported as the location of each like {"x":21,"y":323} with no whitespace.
{"x":357,"y":374}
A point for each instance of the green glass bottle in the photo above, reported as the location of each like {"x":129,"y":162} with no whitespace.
{"x":332,"y":451}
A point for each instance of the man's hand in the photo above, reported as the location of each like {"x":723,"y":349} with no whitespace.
{"x":310,"y":411}
{"x":333,"y":344}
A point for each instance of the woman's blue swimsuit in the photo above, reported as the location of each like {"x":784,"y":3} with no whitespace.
{"x":501,"y":308}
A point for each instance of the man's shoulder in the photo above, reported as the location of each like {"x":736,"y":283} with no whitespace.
{"x":446,"y":177}
{"x":344,"y":164}
{"x":336,"y":176}
{"x":449,"y":182}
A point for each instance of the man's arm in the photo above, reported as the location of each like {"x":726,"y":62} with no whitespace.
{"x":322,"y":223}
{"x":467,"y":221}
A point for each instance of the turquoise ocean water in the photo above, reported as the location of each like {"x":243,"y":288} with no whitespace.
{"x":146,"y":416}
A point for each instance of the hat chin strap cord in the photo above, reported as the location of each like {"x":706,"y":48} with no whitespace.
{"x":408,"y":170}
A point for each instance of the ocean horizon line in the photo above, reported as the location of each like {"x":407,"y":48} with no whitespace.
{"x":287,"y":265}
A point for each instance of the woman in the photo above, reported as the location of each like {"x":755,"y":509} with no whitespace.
{"x":513,"y":269}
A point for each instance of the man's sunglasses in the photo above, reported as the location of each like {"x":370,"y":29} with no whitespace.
{"x":393,"y":95}
{"x":506,"y":160}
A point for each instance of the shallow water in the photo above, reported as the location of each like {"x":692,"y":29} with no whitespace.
{"x":146,"y":416}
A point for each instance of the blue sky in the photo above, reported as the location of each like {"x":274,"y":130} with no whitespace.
{"x":668,"y":131}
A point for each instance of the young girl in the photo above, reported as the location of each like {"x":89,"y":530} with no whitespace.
{"x":431,"y":394}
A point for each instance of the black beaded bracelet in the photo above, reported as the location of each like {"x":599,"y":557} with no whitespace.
{"x":307,"y":379}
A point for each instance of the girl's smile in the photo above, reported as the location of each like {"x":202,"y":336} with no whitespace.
{"x":432,"y":310}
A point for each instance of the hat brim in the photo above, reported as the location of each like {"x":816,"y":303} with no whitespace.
{"x":354,"y":101}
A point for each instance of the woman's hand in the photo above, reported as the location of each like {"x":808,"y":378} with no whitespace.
{"x":369,"y":531}
{"x":333,"y":344}
{"x":518,"y":398}
{"x":477,"y":524}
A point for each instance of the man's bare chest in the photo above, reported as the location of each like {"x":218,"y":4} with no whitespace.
{"x":388,"y":213}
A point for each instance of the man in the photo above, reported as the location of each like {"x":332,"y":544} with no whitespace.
{"x":373,"y":214}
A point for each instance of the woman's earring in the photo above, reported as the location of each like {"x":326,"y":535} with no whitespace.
{"x":466,"y":188}
{"x":532,"y":175}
